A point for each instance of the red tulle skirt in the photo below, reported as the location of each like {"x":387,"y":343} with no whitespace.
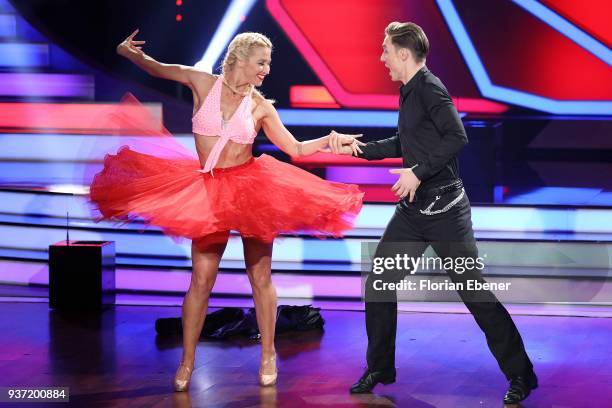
{"x":154,"y":177}
{"x":261,"y":198}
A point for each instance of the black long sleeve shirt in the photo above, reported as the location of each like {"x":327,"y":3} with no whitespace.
{"x":430,"y":132}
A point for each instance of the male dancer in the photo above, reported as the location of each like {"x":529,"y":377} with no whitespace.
{"x":433,"y":210}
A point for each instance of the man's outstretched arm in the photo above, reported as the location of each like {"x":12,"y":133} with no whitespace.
{"x":377,"y":150}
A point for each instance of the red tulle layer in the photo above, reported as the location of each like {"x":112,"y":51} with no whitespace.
{"x":154,"y":177}
{"x":261,"y":199}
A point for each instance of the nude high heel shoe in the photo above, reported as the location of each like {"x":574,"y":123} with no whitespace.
{"x":182,"y":378}
{"x":267,"y":365}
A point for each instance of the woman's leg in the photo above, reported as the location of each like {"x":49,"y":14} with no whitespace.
{"x":258,"y":260}
{"x":205,"y":255}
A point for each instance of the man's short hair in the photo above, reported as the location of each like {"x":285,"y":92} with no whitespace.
{"x":411,"y":36}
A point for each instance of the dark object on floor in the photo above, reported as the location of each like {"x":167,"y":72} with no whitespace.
{"x":82,"y":275}
{"x":299,"y":318}
{"x":231,"y":321}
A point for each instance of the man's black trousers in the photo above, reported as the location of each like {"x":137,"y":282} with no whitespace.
{"x":450,"y":234}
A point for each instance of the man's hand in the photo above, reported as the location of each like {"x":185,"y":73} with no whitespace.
{"x":340,"y":143}
{"x":407,"y":183}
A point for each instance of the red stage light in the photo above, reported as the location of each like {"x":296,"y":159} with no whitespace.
{"x":314,"y":96}
{"x":311,"y":96}
{"x":327,"y":159}
{"x":60,"y":117}
{"x":179,"y":17}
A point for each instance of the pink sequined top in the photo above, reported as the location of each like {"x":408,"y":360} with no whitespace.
{"x":208,"y":120}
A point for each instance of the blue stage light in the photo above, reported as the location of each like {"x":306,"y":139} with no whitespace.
{"x":235,"y":14}
{"x":520,"y":98}
{"x":567,"y":29}
{"x":320,"y":117}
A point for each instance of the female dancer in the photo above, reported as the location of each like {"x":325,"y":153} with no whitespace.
{"x":225,"y":188}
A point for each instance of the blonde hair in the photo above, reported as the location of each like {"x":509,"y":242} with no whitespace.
{"x":241,"y":47}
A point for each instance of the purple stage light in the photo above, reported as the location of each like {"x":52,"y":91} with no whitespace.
{"x":23,"y":55}
{"x":46,"y":85}
{"x":8,"y":26}
{"x":361,"y":175}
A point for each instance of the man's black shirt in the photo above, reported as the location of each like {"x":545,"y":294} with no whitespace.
{"x":430,"y":133}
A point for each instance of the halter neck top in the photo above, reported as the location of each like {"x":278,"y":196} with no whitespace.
{"x":208,"y":120}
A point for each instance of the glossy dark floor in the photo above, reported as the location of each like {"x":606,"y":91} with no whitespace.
{"x":115,"y":359}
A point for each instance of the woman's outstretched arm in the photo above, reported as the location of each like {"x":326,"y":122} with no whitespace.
{"x":281,"y":137}
{"x":132,"y":50}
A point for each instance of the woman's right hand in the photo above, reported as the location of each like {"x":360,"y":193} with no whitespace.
{"x":340,"y":143}
{"x":130,"y":46}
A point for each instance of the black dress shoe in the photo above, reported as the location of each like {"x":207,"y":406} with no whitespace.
{"x":369,"y":379}
{"x":520,"y":388}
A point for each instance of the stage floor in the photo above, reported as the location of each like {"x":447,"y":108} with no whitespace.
{"x":116,"y":359}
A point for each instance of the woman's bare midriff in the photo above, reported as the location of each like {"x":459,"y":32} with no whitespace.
{"x":233,"y":154}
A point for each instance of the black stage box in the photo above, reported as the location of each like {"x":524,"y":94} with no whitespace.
{"x":81,"y":275}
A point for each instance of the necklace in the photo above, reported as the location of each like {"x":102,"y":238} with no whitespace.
{"x":234,"y":90}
